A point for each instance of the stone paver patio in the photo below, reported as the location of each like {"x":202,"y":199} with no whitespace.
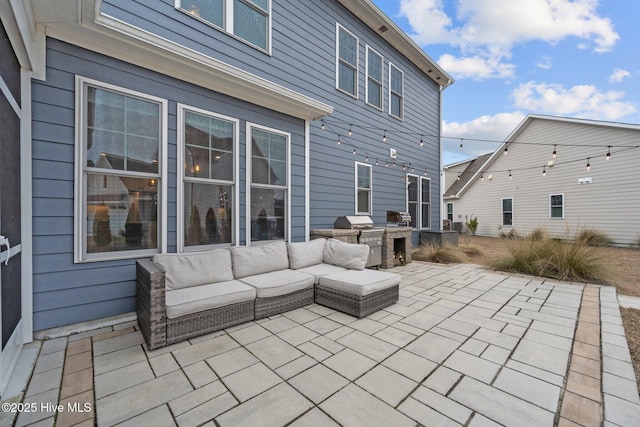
{"x":463,"y":347}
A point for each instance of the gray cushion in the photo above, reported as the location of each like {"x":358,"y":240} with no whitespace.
{"x":194,"y":269}
{"x":248,"y":261}
{"x":279,"y":283}
{"x":305,"y":254}
{"x":347,"y":255}
{"x":191,"y":300}
{"x":360,"y":283}
{"x":322,"y":269}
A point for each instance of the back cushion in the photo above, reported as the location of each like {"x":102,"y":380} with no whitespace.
{"x":347,"y":255}
{"x":193,"y":269}
{"x":306,"y":254}
{"x":249,"y":261}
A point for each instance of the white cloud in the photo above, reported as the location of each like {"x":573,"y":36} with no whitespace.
{"x":545,"y":62}
{"x":485,"y":31}
{"x":619,"y":75}
{"x":585,"y":101}
{"x":483,"y":134}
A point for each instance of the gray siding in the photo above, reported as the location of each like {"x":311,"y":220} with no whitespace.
{"x":303,"y":59}
{"x":65,"y":292}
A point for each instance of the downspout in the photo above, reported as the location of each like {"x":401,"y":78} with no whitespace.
{"x":442,"y":189}
{"x":307,"y":173}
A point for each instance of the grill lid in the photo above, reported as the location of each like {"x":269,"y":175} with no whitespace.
{"x":398,"y":217}
{"x":353,"y":222}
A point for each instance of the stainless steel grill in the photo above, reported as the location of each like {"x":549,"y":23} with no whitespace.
{"x":397,"y":218}
{"x":368,"y":235}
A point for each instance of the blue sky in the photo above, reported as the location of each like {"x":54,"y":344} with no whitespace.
{"x":509,"y":58}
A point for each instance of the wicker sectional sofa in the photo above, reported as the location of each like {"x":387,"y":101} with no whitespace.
{"x":180,"y":296}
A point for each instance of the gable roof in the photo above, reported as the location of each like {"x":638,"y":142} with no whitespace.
{"x":474,"y":166}
{"x":466,"y":179}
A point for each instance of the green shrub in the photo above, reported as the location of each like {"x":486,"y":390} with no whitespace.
{"x":445,"y":254}
{"x":472,"y":225}
{"x":592,"y":237}
{"x":555,"y":259}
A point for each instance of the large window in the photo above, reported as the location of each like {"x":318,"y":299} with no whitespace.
{"x":374,"y":78}
{"x":363,"y":189}
{"x":425,"y":202}
{"x":120,"y":144}
{"x":507,"y":211}
{"x":269,"y":194}
{"x":207,"y":147}
{"x":248,"y":20}
{"x":396,"y":92}
{"x":556,"y":205}
{"x":346,"y":61}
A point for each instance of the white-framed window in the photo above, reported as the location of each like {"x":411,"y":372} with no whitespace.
{"x":207,"y":190}
{"x":347,"y":48}
{"x":396,"y":92}
{"x":425,"y":202}
{"x":450,"y":211}
{"x":556,"y":206}
{"x":413,"y":199}
{"x":120,"y":184}
{"x":507,"y":211}
{"x":419,"y":201}
{"x":248,"y":20}
{"x":363,"y":188}
{"x":374,"y":78}
{"x":268,"y":196}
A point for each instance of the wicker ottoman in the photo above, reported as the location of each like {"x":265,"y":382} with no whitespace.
{"x":358,"y":292}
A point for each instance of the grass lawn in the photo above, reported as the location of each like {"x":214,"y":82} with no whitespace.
{"x":623,"y":272}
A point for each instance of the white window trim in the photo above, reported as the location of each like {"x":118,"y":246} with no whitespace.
{"x":502,"y":211}
{"x":227,"y":27}
{"x":418,"y":201}
{"x":391,"y":65}
{"x":80,"y":207}
{"x":550,"y":206}
{"x":357,"y":76}
{"x":370,"y":188}
{"x":182,"y":108}
{"x":422,"y":202}
{"x":248,"y":183}
{"x":366,"y":86}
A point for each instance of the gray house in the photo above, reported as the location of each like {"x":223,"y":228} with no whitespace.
{"x":180,"y":125}
{"x":556,"y":173}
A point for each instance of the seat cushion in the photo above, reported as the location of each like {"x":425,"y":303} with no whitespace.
{"x":305,"y":254}
{"x":279,"y":283}
{"x":194,"y":299}
{"x":249,"y":261}
{"x":196,"y":268}
{"x":360,"y":282}
{"x":321,"y":269}
{"x":348,"y":255}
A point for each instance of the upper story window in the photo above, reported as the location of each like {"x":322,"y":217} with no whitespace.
{"x":206,"y":199}
{"x":119,"y":150}
{"x":268,"y":154}
{"x":249,"y":20}
{"x":374,"y":78}
{"x":396,"y":92}
{"x":556,"y":205}
{"x":363,"y":189}
{"x":346,"y":61}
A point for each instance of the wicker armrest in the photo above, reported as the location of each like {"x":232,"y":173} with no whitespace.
{"x":150,"y":303}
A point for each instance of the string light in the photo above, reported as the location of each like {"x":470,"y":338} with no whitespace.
{"x":377,"y":162}
{"x":608,"y":152}
{"x":404,"y":167}
{"x":506,"y":149}
{"x":555,"y":153}
{"x":339,"y":142}
{"x":510,"y":175}
{"x":458,"y":177}
{"x":386,"y":164}
{"x":350,"y":133}
{"x":354,"y":151}
{"x":425,"y":172}
{"x":394,"y":163}
{"x":412,"y":168}
{"x":544,"y":171}
{"x":461,"y":139}
{"x":322,"y":127}
{"x":588,"y":163}
{"x":421,"y":141}
{"x":366,"y":159}
{"x":481,"y":177}
{"x":384,"y":136}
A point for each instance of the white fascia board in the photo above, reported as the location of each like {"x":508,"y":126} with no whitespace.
{"x":109,"y":36}
{"x":27,"y":39}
